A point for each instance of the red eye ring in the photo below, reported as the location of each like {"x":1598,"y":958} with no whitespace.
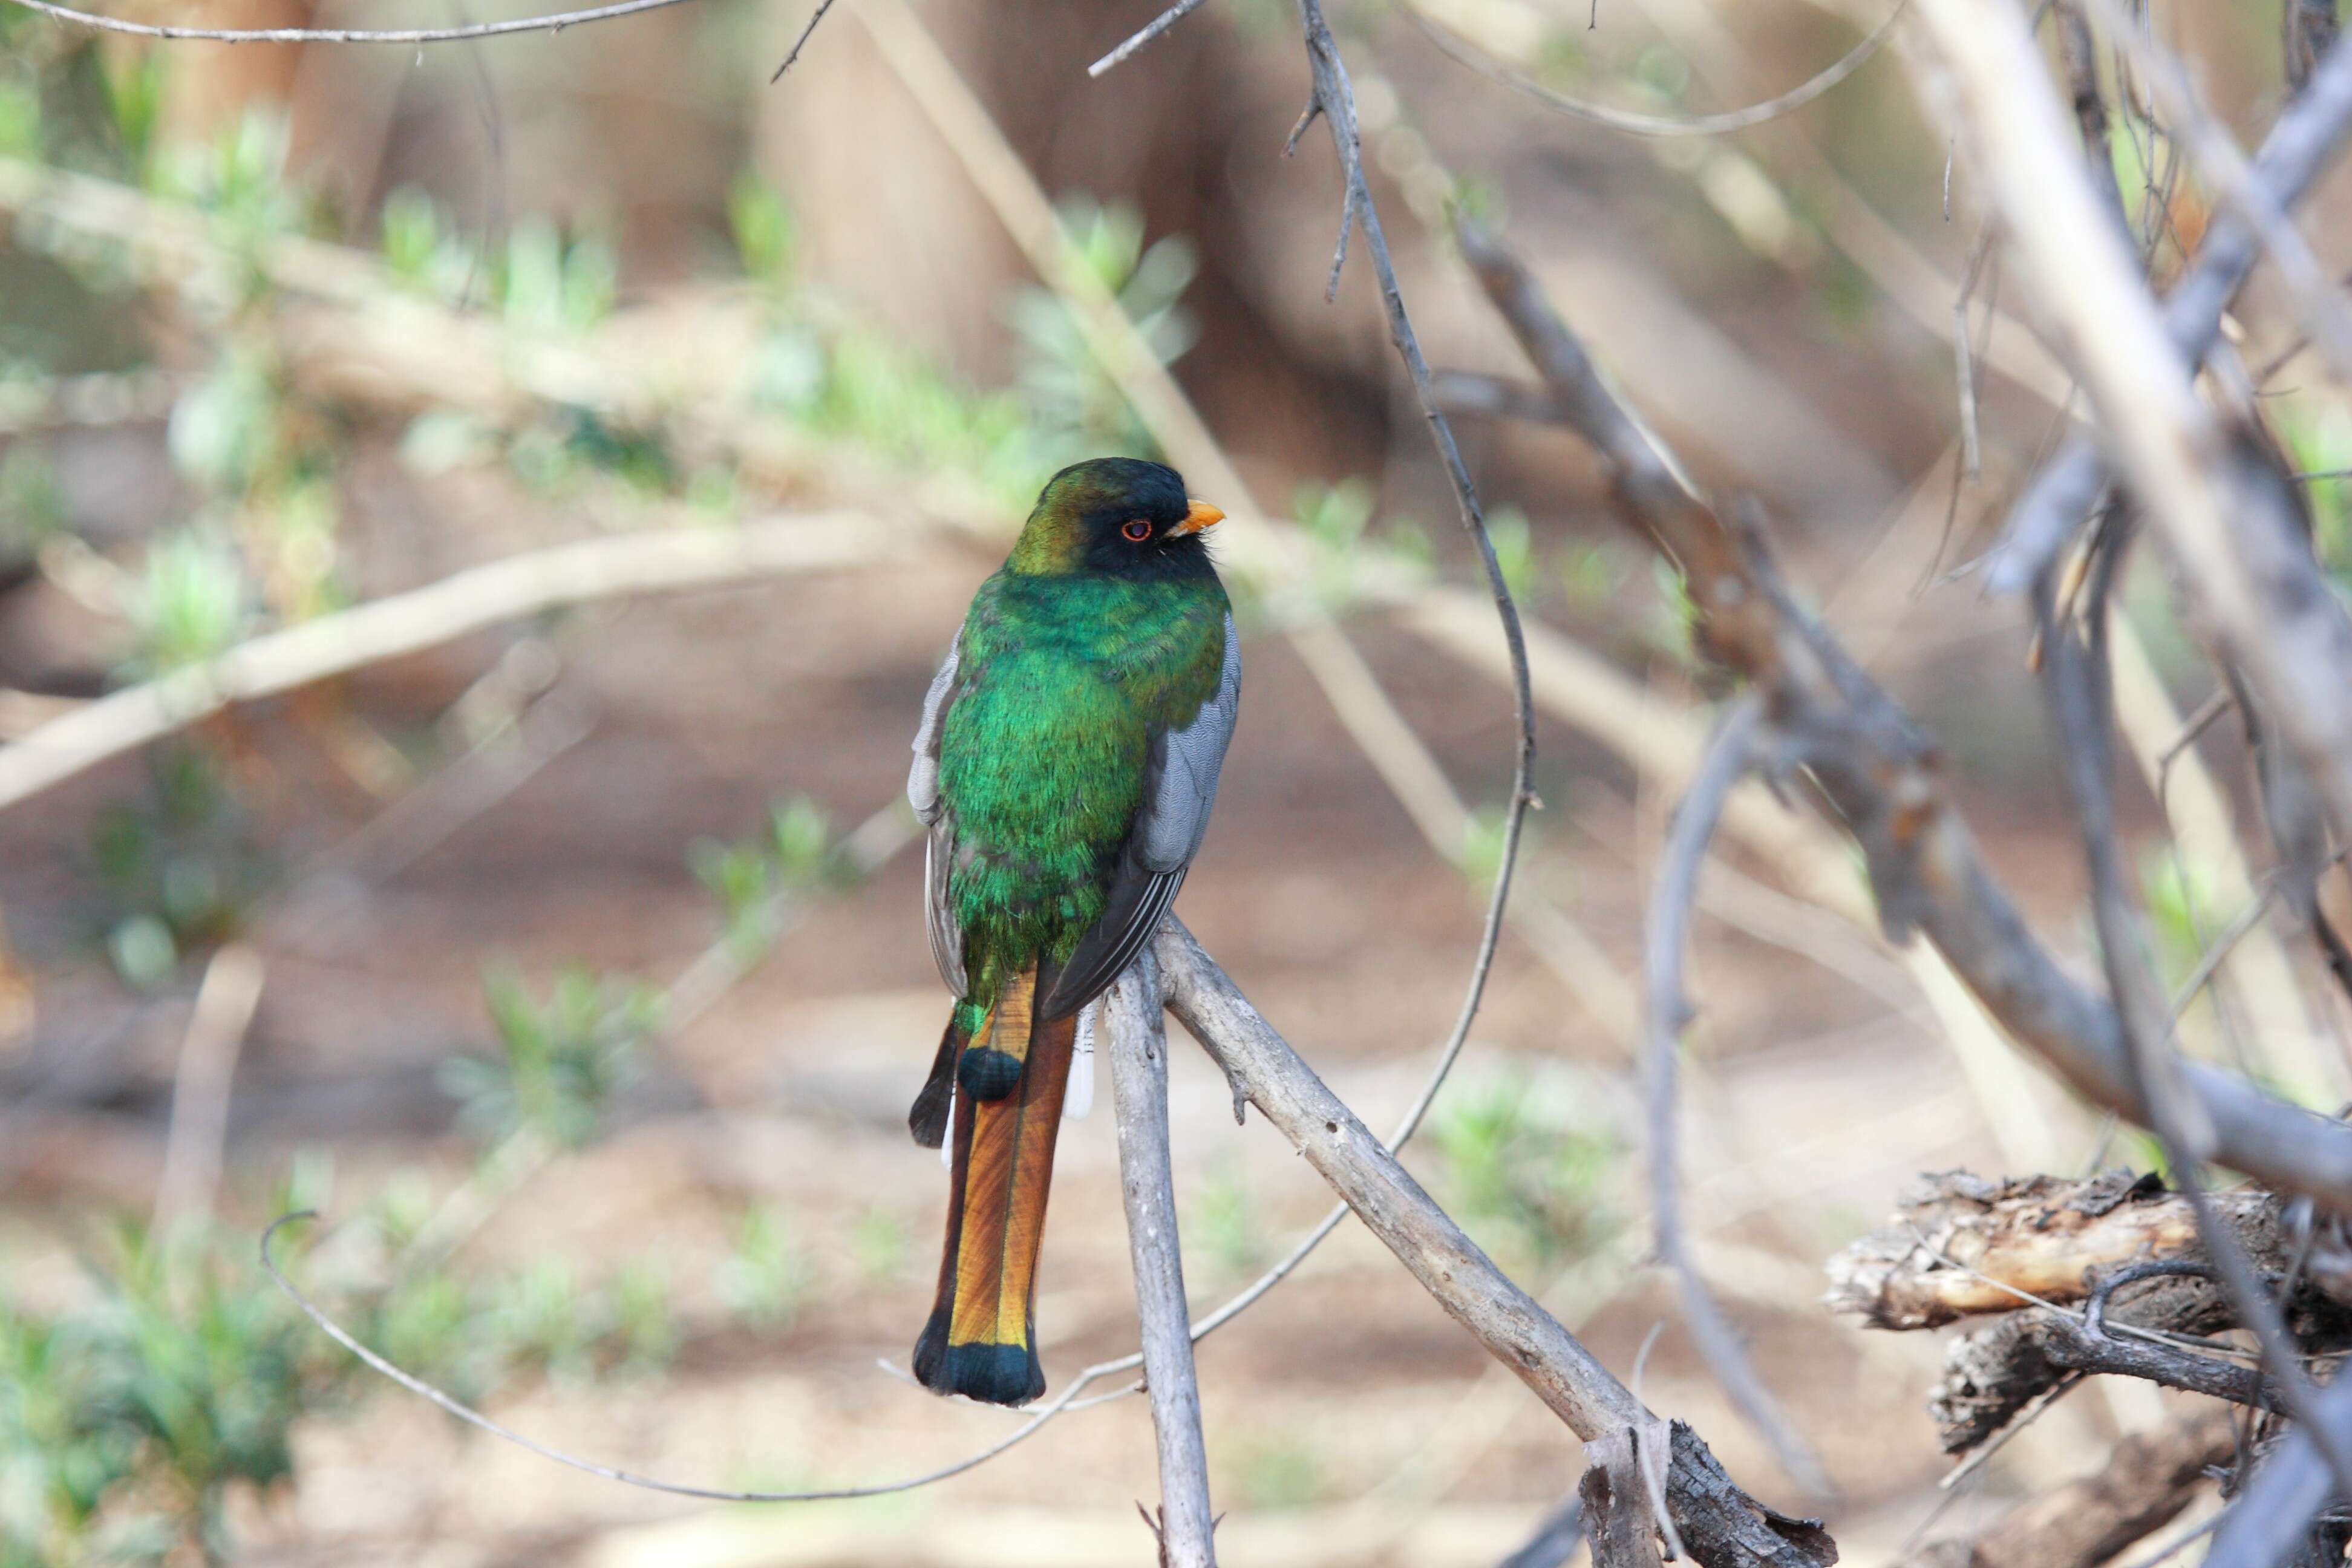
{"x":1136,"y":528}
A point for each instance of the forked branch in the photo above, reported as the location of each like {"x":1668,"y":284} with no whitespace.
{"x":1721,"y":1524}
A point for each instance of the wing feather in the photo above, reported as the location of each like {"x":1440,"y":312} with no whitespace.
{"x":938,"y":847}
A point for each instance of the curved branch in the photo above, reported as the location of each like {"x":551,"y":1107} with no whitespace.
{"x":1462,"y":52}
{"x":660,"y":561}
{"x":472,"y":1417}
{"x":1728,"y":758}
{"x":554,"y":23}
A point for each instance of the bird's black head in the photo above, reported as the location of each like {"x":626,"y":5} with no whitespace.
{"x":1121,"y":516}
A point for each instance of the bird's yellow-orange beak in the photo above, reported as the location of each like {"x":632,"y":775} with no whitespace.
{"x":1202,"y":515}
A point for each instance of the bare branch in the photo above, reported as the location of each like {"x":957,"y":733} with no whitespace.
{"x":1555,"y":1539}
{"x":1878,"y":769}
{"x":2146,"y":1483}
{"x":662,"y":560}
{"x":1464,"y":53}
{"x":801,"y":42}
{"x":2297,"y":150}
{"x":1721,"y":1524}
{"x":1624,"y":1529}
{"x":206,"y":1071}
{"x":2231,"y":524}
{"x":2315,"y":296}
{"x":1961,"y":1245}
{"x":549,"y":24}
{"x":2271,"y":1518}
{"x":1727,"y":760}
{"x":1138,"y":1046}
{"x":1145,"y":35}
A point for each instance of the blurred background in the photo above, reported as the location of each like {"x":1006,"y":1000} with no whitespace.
{"x":563,"y":948}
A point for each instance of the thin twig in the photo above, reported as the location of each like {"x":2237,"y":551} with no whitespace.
{"x":801,"y":42}
{"x":2298,"y":149}
{"x":467,"y":1413}
{"x":1728,"y":759}
{"x":549,"y":24}
{"x":1460,"y":50}
{"x":1137,"y":1048}
{"x":2316,"y":296}
{"x":2196,"y":724}
{"x":1145,"y":35}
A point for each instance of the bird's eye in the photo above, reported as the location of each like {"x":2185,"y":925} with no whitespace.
{"x":1136,"y":530}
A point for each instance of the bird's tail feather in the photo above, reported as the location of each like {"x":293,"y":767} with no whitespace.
{"x":981,"y":1340}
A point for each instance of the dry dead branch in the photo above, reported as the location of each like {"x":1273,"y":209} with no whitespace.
{"x":1961,"y":1245}
{"x":1721,"y":1524}
{"x":1878,"y":771}
{"x":2151,"y":1478}
{"x":1137,"y":1048}
{"x":2024,"y":1251}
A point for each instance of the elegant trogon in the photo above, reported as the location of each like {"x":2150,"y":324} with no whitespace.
{"x":1068,"y":757}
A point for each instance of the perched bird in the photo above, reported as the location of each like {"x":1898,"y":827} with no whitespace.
{"x":1068,"y":758}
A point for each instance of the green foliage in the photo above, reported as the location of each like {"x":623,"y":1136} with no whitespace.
{"x":2183,"y":907}
{"x":1663,"y":71}
{"x":1480,"y":856}
{"x":1591,"y":576}
{"x":133,"y":83}
{"x":1077,"y":407}
{"x":123,"y":1426}
{"x":1335,"y":516}
{"x":410,"y":226}
{"x":1339,"y":518}
{"x":1514,"y":542}
{"x":768,"y":1276}
{"x":543,"y":1316}
{"x":32,"y":506}
{"x":766,"y":240}
{"x":1276,"y":1472}
{"x":176,"y":871}
{"x":20,"y":117}
{"x":752,"y":877}
{"x":1524,"y":1171}
{"x":1673,"y":626}
{"x":225,"y":430}
{"x":880,"y":1248}
{"x":561,"y":1055}
{"x":190,"y":604}
{"x":898,"y":405}
{"x":126,"y":1419}
{"x":2317,"y":436}
{"x":240,"y":180}
{"x":557,"y":284}
{"x":1223,"y":1224}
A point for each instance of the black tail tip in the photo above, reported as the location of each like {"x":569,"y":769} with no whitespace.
{"x":993,"y":1374}
{"x":988,"y":1074}
{"x":927,"y":1120}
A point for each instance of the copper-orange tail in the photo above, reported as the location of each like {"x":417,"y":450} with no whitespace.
{"x":982,"y":1339}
